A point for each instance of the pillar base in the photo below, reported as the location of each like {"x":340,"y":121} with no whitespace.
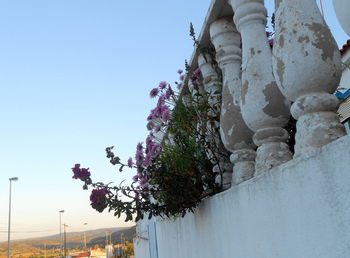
{"x":243,"y":165}
{"x":317,"y":124}
{"x":272,"y":150}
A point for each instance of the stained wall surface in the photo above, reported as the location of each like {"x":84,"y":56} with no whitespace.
{"x":299,"y":209}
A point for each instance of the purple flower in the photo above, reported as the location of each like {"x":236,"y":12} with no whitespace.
{"x":80,"y":173}
{"x":76,"y":171}
{"x":182,"y":77}
{"x":179,"y":86}
{"x":139,"y":146}
{"x":154,"y":92}
{"x":149,"y":146}
{"x":179,"y":71}
{"x":137,"y":195}
{"x":139,"y":157}
{"x":165,"y":115}
{"x":164,"y":109}
{"x":197,"y":72}
{"x":98,"y":199}
{"x":135,"y":178}
{"x":168,"y":93}
{"x":142,"y":181}
{"x":154,"y":149}
{"x":130,"y":162}
{"x":160,"y":102}
{"x":144,"y":186}
{"x":154,"y":113}
{"x":147,"y":160}
{"x":157,"y":128}
{"x":149,"y":139}
{"x":162,"y":85}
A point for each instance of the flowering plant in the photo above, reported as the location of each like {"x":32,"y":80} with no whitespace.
{"x":174,"y":166}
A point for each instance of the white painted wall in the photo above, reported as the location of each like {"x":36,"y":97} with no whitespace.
{"x":300,"y":209}
{"x":141,"y":241}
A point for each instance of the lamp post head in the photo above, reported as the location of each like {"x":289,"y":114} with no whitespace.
{"x":13,"y":178}
{"x":61,"y":211}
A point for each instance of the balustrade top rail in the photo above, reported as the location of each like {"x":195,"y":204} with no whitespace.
{"x":264,"y":86}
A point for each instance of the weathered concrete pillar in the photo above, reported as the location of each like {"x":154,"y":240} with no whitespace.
{"x":235,"y":135}
{"x":263,"y":107}
{"x":307,"y":67}
{"x":213,"y":88}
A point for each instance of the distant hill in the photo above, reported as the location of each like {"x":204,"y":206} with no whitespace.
{"x":74,"y":240}
{"x":127,"y":233}
{"x":73,"y":235}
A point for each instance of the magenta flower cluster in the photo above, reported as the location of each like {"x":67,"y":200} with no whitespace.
{"x":196,"y":77}
{"x":80,"y":173}
{"x":161,"y":111}
{"x":157,"y":120}
{"x":130,"y":163}
{"x":98,"y":199}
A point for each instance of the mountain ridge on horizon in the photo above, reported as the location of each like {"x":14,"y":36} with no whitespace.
{"x":73,"y":234}
{"x":95,"y":238}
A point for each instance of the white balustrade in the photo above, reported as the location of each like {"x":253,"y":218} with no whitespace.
{"x":307,"y":67}
{"x":235,"y":135}
{"x":213,"y":88}
{"x":263,"y":107}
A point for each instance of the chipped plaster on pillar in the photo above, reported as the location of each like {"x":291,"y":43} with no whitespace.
{"x":307,"y":67}
{"x":213,"y":88}
{"x":235,"y":135}
{"x":263,"y":107}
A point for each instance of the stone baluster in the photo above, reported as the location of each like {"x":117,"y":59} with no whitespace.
{"x":307,"y":67}
{"x":191,"y":88}
{"x":213,"y":87}
{"x":263,"y":107}
{"x":235,"y":135}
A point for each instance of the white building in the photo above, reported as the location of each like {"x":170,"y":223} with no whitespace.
{"x":344,"y":94}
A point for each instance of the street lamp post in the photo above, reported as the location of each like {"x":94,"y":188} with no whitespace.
{"x":60,"y":212}
{"x":85,"y":236}
{"x":9,"y":226}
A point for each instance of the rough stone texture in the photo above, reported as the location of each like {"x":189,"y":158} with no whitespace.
{"x":273,"y":149}
{"x":234,"y":132}
{"x":298,"y":73}
{"x":317,"y":102}
{"x":317,"y":129}
{"x":306,"y":63}
{"x":341,"y":8}
{"x":262,"y":103}
{"x":244,"y":165}
{"x":297,"y":210}
{"x":226,"y":178}
{"x":270,"y":155}
{"x":262,"y":106}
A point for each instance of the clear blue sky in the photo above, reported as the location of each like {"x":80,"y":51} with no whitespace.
{"x":74,"y":78}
